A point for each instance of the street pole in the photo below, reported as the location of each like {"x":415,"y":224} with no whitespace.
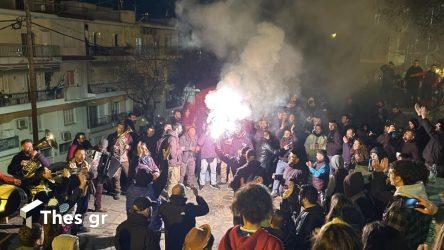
{"x":32,"y":87}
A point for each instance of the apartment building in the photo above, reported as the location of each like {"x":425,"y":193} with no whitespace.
{"x":78,"y":49}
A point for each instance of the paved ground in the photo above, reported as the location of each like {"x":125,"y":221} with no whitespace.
{"x":219,"y":218}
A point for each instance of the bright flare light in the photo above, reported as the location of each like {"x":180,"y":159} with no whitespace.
{"x":227,"y":109}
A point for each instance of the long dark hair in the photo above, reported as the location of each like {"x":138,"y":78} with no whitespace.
{"x":76,"y":138}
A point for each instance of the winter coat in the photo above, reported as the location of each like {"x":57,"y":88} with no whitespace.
{"x":337,"y":176}
{"x":15,"y":167}
{"x":380,"y":191}
{"x":346,"y":153}
{"x":296,"y":172}
{"x":179,"y":218}
{"x":186,"y":143}
{"x":389,"y":144}
{"x":308,"y":220}
{"x":207,"y":148}
{"x":134,"y":233}
{"x":314,"y":143}
{"x":434,"y":151}
{"x":113,"y":146}
{"x":176,"y":152}
{"x":412,"y":225}
{"x":247,"y":173}
{"x":354,"y":190}
{"x":267,"y":154}
{"x":233,"y":163}
{"x":320,"y":172}
{"x":135,"y":192}
{"x":334,"y":146}
{"x":236,"y":239}
{"x":410,"y":148}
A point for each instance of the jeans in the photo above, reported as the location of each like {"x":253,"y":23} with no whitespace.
{"x":203,"y":170}
{"x":279,"y":171}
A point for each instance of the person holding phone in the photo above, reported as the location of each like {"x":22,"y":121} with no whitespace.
{"x":402,"y":213}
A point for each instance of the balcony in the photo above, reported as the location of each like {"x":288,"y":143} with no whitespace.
{"x":100,"y":88}
{"x":22,"y":98}
{"x":108,"y":51}
{"x":156,"y":52}
{"x":105,"y":122}
{"x":18,"y":50}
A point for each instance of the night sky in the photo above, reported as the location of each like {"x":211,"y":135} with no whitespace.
{"x":155,"y":8}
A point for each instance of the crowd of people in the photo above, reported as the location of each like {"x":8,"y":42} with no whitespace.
{"x":355,"y":183}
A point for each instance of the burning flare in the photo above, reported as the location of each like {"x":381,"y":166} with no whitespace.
{"x":227,"y":109}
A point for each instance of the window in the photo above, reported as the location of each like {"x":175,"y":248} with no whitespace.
{"x":47,"y":152}
{"x":115,"y":108}
{"x":116,"y":40}
{"x":64,"y":147}
{"x":69,"y":78}
{"x":68,"y":116}
{"x":9,"y":143}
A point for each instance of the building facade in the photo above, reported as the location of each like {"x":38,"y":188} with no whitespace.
{"x":78,"y":50}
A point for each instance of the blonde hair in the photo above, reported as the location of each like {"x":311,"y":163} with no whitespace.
{"x":142,"y":149}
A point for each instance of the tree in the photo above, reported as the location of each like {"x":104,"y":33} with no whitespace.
{"x":145,"y":80}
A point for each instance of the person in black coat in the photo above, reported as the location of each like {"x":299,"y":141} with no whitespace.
{"x":433,"y":153}
{"x":413,"y":78}
{"x":28,"y":152}
{"x":180,"y":217}
{"x":408,"y":145}
{"x":354,"y":190}
{"x":251,"y":171}
{"x":233,"y":163}
{"x":267,"y":155}
{"x":388,"y":141}
{"x":134,"y":233}
{"x":310,"y":218}
{"x":334,"y":142}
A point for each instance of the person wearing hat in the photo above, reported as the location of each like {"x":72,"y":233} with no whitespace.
{"x":199,"y":238}
{"x":134,"y":233}
{"x":180,"y":217}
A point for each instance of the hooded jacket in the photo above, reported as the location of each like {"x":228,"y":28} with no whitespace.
{"x":179,"y":218}
{"x":337,"y":176}
{"x":236,"y":239}
{"x":135,"y":234}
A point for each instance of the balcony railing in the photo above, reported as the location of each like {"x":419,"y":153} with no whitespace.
{"x":108,"y":51}
{"x":18,"y":50}
{"x":155,"y":51}
{"x":108,"y":120}
{"x":22,"y":98}
{"x":100,"y":88}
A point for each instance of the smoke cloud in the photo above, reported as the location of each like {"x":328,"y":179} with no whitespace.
{"x":260,"y":63}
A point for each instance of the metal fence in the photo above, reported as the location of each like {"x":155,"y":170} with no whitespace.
{"x":22,"y":97}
